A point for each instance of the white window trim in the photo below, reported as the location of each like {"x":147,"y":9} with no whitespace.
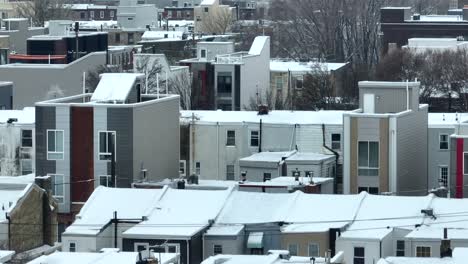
{"x":91,"y":14}
{"x":250,"y":138}
{"x":109,"y":179}
{"x":112,"y":13}
{"x":101,"y":14}
{"x":76,"y":246}
{"x":308,"y":249}
{"x":331,"y":141}
{"x":281,"y":81}
{"x":21,"y":165}
{"x":63,"y":186}
{"x":32,"y":138}
{"x":439,"y":173}
{"x":199,"y":168}
{"x":99,"y":145}
{"x":448,"y":141}
{"x":214,"y":246}
{"x":185,"y":168}
{"x":206,"y":53}
{"x":416,"y":249}
{"x":227,"y":137}
{"x":378,"y":151}
{"x":55,"y":137}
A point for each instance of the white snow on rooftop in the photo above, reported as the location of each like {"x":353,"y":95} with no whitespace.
{"x":25,"y":116}
{"x":154,"y":35}
{"x":207,"y":2}
{"x":303,"y":67}
{"x":459,"y":256}
{"x":328,"y":117}
{"x":258,"y":45}
{"x":438,"y":18}
{"x":10,"y":194}
{"x":114,"y":87}
{"x":5,"y":255}
{"x":267,"y":156}
{"x":224,"y":230}
{"x":100,"y":207}
{"x":87,"y":258}
{"x":448,"y":120}
{"x":181,"y":213}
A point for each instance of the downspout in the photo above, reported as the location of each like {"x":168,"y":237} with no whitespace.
{"x":260,"y":137}
{"x":337,"y":157}
{"x":188,"y":252}
{"x":217,"y":149}
{"x":9,"y":230}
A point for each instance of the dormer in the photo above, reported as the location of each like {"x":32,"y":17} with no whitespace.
{"x":388,"y":97}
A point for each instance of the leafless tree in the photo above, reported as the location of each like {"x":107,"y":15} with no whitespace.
{"x":152,"y":68}
{"x":40,"y":11}
{"x":271,"y":100}
{"x":218,"y":21}
{"x":181,"y":84}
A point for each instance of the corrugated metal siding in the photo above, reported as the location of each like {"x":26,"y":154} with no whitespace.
{"x":100,"y":124}
{"x":45,"y":119}
{"x":62,"y":117}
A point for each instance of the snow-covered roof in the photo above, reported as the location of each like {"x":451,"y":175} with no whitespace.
{"x":114,"y":87}
{"x":10,"y":194}
{"x":446,"y":120}
{"x":224,"y":230}
{"x":292,"y":180}
{"x":425,"y":232}
{"x":438,"y":18}
{"x":100,"y":207}
{"x":378,"y":215}
{"x":328,"y":117}
{"x":154,"y":35}
{"x":321,"y":218}
{"x":18,"y":180}
{"x":97,"y":24}
{"x":181,"y":214}
{"x":459,"y":256}
{"x":303,"y":67}
{"x":87,"y":258}
{"x":256,"y":208}
{"x":25,"y":116}
{"x":309,"y":156}
{"x":267,"y":156}
{"x":207,"y":2}
{"x":258,"y":45}
{"x":5,"y":255}
{"x":260,"y":259}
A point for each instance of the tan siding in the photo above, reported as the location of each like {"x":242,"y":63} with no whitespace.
{"x":303,"y":240}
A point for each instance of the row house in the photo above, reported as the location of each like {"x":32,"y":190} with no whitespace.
{"x":83,"y":12}
{"x":112,"y":137}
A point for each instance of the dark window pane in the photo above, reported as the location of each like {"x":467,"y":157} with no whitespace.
{"x":373,"y":154}
{"x":363,"y":154}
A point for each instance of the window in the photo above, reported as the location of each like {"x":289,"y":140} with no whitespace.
{"x":217,"y":249}
{"x":230,"y":172}
{"x":144,"y":249}
{"x":72,"y":247}
{"x":130,"y":38}
{"x":117,"y":37}
{"x":371,"y":190}
{"x":182,"y":164}
{"x":26,"y":138}
{"x":203,"y":53}
{"x":198,"y":19}
{"x":279,"y":83}
{"x":101,"y":14}
{"x":336,"y":141}
{"x":423,"y":251}
{"x":368,"y":158}
{"x":26,"y":166}
{"x":400,"y":248}
{"x":58,"y":187}
{"x":465,"y":162}
{"x":266,"y":176}
{"x":313,"y":250}
{"x":309,"y":174}
{"x":443,"y":176}
{"x":231,"y":138}
{"x":224,"y":84}
{"x":254,"y":138}
{"x":358,"y":255}
{"x":292,"y":249}
{"x":105,"y":180}
{"x":55,"y":144}
{"x":82,"y":15}
{"x":299,"y":82}
{"x":107,"y":139}
{"x":91,"y":14}
{"x":443,"y":142}
{"x":111,"y":13}
{"x":206,"y":9}
{"x":197,"y":168}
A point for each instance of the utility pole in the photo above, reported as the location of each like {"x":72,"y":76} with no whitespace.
{"x":76,"y":29}
{"x":117,"y":220}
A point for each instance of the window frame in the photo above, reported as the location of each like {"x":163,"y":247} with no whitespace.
{"x":299,"y":79}
{"x":55,"y":144}
{"x":101,"y":14}
{"x":230,"y":140}
{"x":368,"y":168}
{"x":251,"y":137}
{"x":318,"y":249}
{"x":228,"y":172}
{"x":362,"y":258}
{"x":198,"y":168}
{"x":60,"y":198}
{"x":183,"y":172}
{"x":112,"y":13}
{"x":422,"y":246}
{"x":108,"y":180}
{"x":22,"y":166}
{"x":400,"y":252}
{"x":279,"y":80}
{"x":335,"y":141}
{"x":203,"y":52}
{"x":107,"y":146}
{"x":91,"y":14}
{"x":23,"y":138}
{"x":444,"y":182}
{"x":267,"y":176}
{"x":70,"y":246}
{"x":220,"y":247}
{"x":297,"y":249}
{"x":446,"y":142}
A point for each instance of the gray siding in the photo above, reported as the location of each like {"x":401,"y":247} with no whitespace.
{"x":412,"y":153}
{"x":6,"y":96}
{"x":45,"y":119}
{"x":230,"y":244}
{"x":388,"y":100}
{"x":100,"y":124}
{"x":120,"y":120}
{"x":62,"y":122}
{"x":436,"y":156}
{"x":368,"y":130}
{"x":156,"y":139}
{"x":43,"y":81}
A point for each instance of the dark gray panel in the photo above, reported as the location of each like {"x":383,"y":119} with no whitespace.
{"x":121,"y":121}
{"x":237,"y":88}
{"x":6,"y":97}
{"x":45,"y":119}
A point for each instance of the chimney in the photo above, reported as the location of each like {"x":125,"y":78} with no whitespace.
{"x":445,"y":250}
{"x":263,"y":110}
